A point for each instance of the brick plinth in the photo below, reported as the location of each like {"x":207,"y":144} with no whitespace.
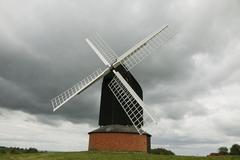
{"x":110,"y":141}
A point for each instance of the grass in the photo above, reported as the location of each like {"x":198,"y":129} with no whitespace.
{"x":104,"y":156}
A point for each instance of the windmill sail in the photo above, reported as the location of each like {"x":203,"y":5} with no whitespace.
{"x":145,"y":47}
{"x":102,"y":49}
{"x":126,"y":96}
{"x":130,"y":102}
{"x":62,"y":98}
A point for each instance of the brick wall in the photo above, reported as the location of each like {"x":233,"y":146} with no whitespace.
{"x":119,"y":142}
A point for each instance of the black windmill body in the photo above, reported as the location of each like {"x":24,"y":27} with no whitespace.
{"x":111,"y":111}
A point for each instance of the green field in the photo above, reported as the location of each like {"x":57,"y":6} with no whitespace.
{"x":104,"y":156}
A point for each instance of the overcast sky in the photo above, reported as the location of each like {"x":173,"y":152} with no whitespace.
{"x":192,"y":82}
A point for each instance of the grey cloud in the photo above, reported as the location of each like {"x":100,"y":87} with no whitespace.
{"x":56,"y":53}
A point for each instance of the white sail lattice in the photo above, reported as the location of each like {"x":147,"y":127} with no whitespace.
{"x":65,"y":96}
{"x":102,"y":49}
{"x":130,"y":102}
{"x":147,"y":46}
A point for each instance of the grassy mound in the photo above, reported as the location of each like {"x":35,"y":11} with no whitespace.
{"x":103,"y":156}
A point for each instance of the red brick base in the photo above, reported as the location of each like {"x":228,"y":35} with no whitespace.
{"x":119,"y":142}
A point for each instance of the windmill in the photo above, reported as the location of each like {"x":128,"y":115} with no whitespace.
{"x":119,"y":87}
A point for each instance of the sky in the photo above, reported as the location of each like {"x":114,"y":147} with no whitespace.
{"x":193,"y":82}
